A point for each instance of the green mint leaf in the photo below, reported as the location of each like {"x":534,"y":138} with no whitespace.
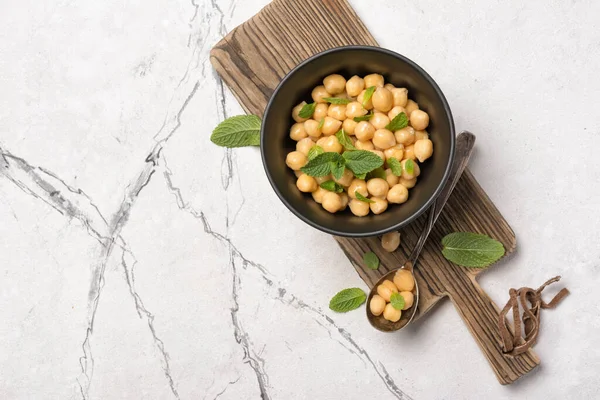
{"x":307,"y":110}
{"x":321,"y":123}
{"x":371,"y":260}
{"x":347,"y":300}
{"x":332,"y":186}
{"x":395,"y":166}
{"x":344,"y":140}
{"x":360,"y":176}
{"x":338,"y":168}
{"x":314,"y":151}
{"x":362,"y":198}
{"x":410,"y":166}
{"x":337,"y":100}
{"x":377,"y":173}
{"x":364,"y":117}
{"x":400,"y":121}
{"x":238,"y":131}
{"x":320,"y":165}
{"x":471,"y":249}
{"x":362,"y":161}
{"x":397,"y":301}
{"x":368,"y":94}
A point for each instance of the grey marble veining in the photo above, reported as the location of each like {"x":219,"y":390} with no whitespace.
{"x":138,"y":260}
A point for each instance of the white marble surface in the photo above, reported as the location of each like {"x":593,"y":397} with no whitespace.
{"x":138,"y":260}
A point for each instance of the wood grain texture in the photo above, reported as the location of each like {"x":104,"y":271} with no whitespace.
{"x":254,"y":57}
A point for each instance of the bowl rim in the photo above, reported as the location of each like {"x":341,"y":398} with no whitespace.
{"x":423,"y":207}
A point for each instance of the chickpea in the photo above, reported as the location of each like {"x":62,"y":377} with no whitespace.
{"x":355,"y":85}
{"x":376,"y":305}
{"x":423,"y":149}
{"x":364,"y":131}
{"x":368,"y":105}
{"x":404,"y":280}
{"x":384,"y":139}
{"x":386,"y":289}
{"x":320,"y":111}
{"x":306,"y":184}
{"x":374,"y":80}
{"x":397,"y":194}
{"x":330,"y":144}
{"x":296,"y":160}
{"x":389,"y":86}
{"x":337,"y":111}
{"x":304,"y":145}
{"x":355,"y":109}
{"x":408,"y":183}
{"x":390,"y":178}
{"x":319,"y":93}
{"x":391,"y":314}
{"x":349,"y":125}
{"x":383,"y":100}
{"x":390,"y":241}
{"x":334,"y":84}
{"x":421,"y":135}
{"x":332,"y":202}
{"x":416,"y":170}
{"x":296,"y":110}
{"x":297,"y":131}
{"x":395,"y":111}
{"x":405,"y":136}
{"x":409,"y":299}
{"x":419,"y":119}
{"x":358,"y":185}
{"x":311,"y":127}
{"x":378,"y":153}
{"x":379,"y":205}
{"x":366,"y":145}
{"x":346,"y":179}
{"x":345,"y":200}
{"x":359,"y":208}
{"x":378,"y":187}
{"x":379,"y":120}
{"x":400,"y":96}
{"x":318,"y":194}
{"x":409,"y":152}
{"x":331,"y":126}
{"x":410,"y":107}
{"x":396,"y":151}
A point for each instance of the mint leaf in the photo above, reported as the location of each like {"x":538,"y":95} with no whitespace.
{"x":337,"y":100}
{"x":395,"y":166}
{"x":397,"y":301}
{"x":344,"y":140}
{"x":362,"y":198}
{"x":321,"y":123}
{"x":360,"y":176}
{"x":371,"y":260}
{"x":368,"y":94}
{"x":362,"y":161}
{"x":377,"y":173}
{"x":337,"y":168}
{"x":314,"y":151}
{"x":320,"y":165}
{"x":409,"y":166}
{"x":307,"y":110}
{"x":347,"y":300}
{"x":364,"y":117}
{"x":238,"y":131}
{"x":332,"y":186}
{"x":400,"y":121}
{"x":471,"y":249}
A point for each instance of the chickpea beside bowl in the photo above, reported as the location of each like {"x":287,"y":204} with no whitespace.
{"x":361,"y":109}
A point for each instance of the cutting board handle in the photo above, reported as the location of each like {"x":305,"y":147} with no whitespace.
{"x":481,"y":314}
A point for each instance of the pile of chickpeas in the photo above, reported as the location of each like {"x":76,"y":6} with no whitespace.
{"x":410,"y":143}
{"x":403,"y":283}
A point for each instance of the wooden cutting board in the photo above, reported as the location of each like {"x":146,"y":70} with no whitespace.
{"x":254,"y":57}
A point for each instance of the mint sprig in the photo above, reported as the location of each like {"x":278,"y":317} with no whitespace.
{"x":366,"y":117}
{"x":337,"y":100}
{"x":347,"y":300}
{"x":337,"y":168}
{"x":371,"y":260}
{"x":362,"y":161}
{"x":320,"y":165}
{"x":395,"y":165}
{"x":362,"y":198}
{"x":377,"y":173}
{"x":332,"y":186}
{"x":400,"y":121}
{"x":238,"y":131}
{"x":314,"y":151}
{"x":321,"y":123}
{"x":307,"y":110}
{"x":471,"y":249}
{"x":368,"y":94}
{"x":397,"y":301}
{"x":409,"y":166}
{"x":344,"y":140}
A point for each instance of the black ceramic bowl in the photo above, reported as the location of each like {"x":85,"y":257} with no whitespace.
{"x":349,"y":61}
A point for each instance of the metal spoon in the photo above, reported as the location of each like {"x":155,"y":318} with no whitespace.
{"x":464,"y":148}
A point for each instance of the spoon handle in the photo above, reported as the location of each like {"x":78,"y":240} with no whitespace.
{"x":465,"y":142}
